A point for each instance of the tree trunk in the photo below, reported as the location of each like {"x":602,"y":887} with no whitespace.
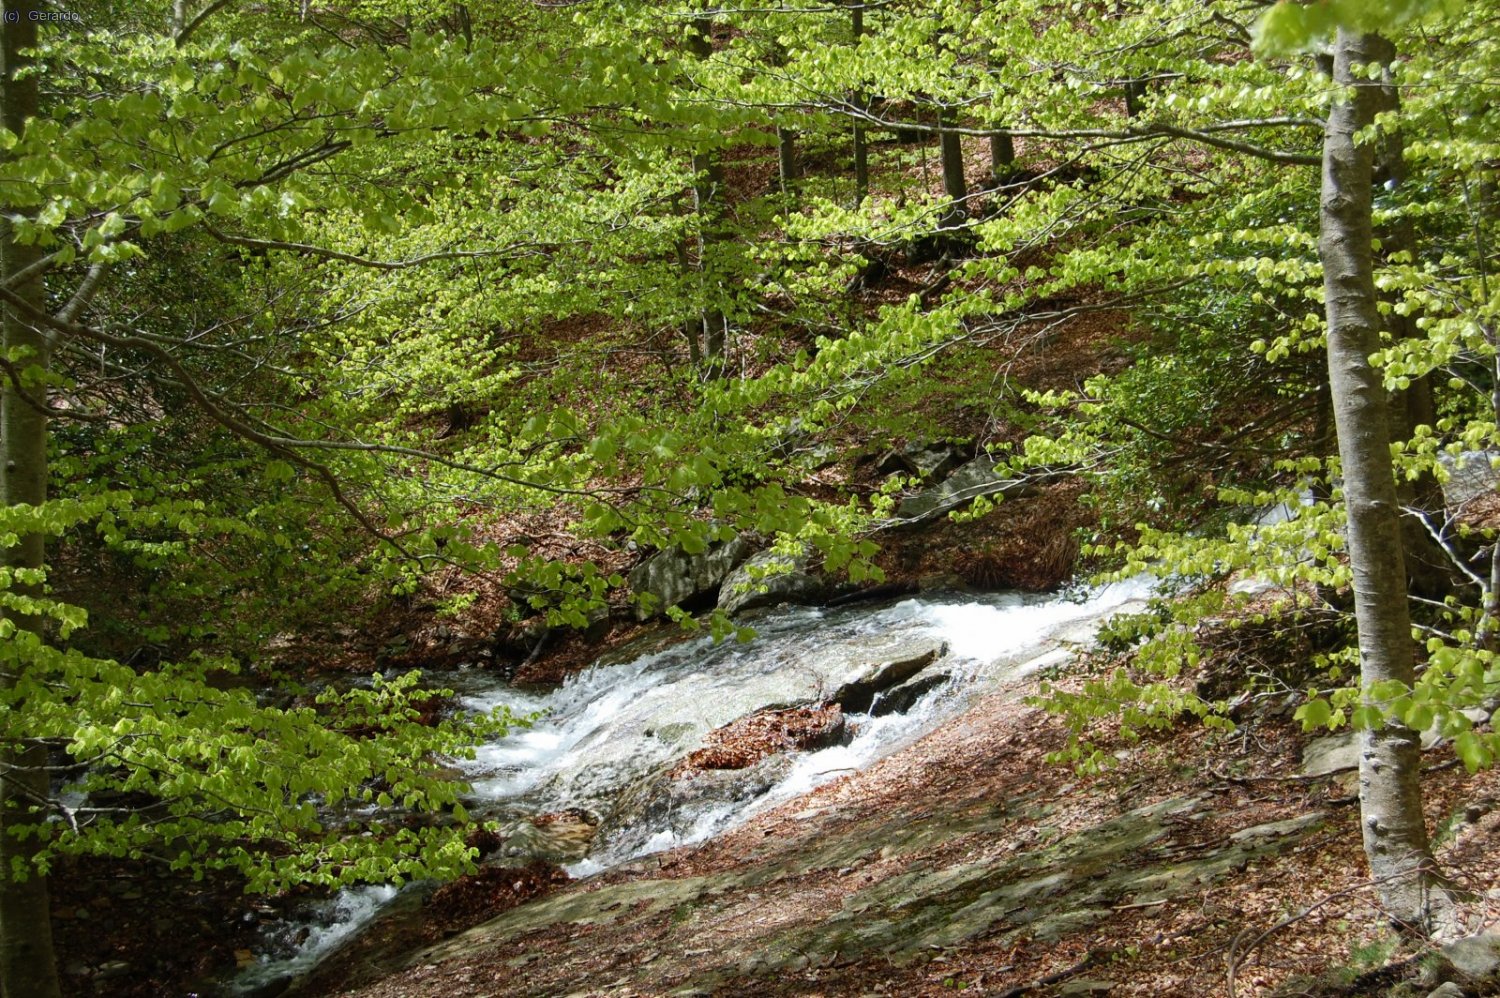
{"x":28,"y":967}
{"x":861,"y":142}
{"x":786,"y":158}
{"x":708,"y":195}
{"x":1395,"y":836}
{"x":1002,"y":157}
{"x":1002,"y":146}
{"x":1135,"y":88}
{"x":1428,"y":567}
{"x":708,"y":185}
{"x":954,"y":185}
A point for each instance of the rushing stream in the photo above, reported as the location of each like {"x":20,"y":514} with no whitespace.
{"x":609,"y":735}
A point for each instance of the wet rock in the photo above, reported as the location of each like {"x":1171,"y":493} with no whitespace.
{"x":555,"y":837}
{"x":750,"y":739}
{"x":885,"y":667}
{"x":665,"y":802}
{"x":902,"y":698}
{"x":771,"y":579}
{"x":647,"y":736}
{"x":672,"y":577}
{"x":740,"y":762}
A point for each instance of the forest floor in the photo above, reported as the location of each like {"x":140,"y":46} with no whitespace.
{"x":1197,"y":865}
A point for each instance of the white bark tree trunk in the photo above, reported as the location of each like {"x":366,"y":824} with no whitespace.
{"x":1395,"y":835}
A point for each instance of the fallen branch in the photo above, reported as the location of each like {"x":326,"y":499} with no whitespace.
{"x":1093,"y":957}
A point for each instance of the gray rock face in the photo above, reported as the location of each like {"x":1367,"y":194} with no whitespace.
{"x":1476,"y":956}
{"x":1470,"y":476}
{"x":1331,"y":754}
{"x":662,"y":801}
{"x":883,"y":666}
{"x":673,"y":576}
{"x":1061,"y":887}
{"x":969,"y":482}
{"x":1339,"y":752}
{"x":902,"y":698}
{"x":924,"y":460}
{"x":791,"y":581}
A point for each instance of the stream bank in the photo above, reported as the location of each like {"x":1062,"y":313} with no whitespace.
{"x":657,"y":747}
{"x":967,"y":861}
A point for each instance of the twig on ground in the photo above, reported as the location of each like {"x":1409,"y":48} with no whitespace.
{"x":1093,"y":957}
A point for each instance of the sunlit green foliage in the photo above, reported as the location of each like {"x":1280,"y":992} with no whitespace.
{"x":382,"y":276}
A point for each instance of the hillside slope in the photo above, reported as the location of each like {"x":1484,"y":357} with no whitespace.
{"x":967,"y":861}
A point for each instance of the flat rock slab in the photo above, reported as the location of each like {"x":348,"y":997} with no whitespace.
{"x":725,"y":931}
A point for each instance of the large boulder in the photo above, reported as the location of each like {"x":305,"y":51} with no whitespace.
{"x":902,"y":698}
{"x":926,"y":461}
{"x":1471,"y":475}
{"x":1477,"y":956}
{"x":673,"y":576}
{"x":977,"y":478}
{"x":886,"y":663}
{"x":771,"y":579}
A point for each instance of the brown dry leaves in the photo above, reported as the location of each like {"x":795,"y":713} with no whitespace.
{"x":745,"y":742}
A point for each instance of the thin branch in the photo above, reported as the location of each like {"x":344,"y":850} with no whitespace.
{"x":32,"y":270}
{"x":13,"y":375}
{"x":192,"y":26}
{"x":1447,"y":547}
{"x":307,"y":249}
{"x":227,"y":415}
{"x":1206,"y":135}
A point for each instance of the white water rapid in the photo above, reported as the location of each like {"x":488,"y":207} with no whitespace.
{"x":609,"y":734}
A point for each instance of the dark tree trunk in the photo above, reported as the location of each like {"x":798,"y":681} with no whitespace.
{"x":1429,"y":570}
{"x":861,"y":142}
{"x":787,"y":169}
{"x":1002,"y":146}
{"x":1002,"y":157}
{"x":1135,"y":89}
{"x":1395,"y":836}
{"x":28,"y":967}
{"x":708,"y":198}
{"x":954,"y":184}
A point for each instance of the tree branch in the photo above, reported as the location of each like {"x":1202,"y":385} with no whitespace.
{"x":1206,"y":135}
{"x":85,"y":293}
{"x":307,"y":249}
{"x":203,"y":15}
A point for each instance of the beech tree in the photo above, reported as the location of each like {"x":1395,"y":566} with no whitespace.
{"x":1394,"y":828}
